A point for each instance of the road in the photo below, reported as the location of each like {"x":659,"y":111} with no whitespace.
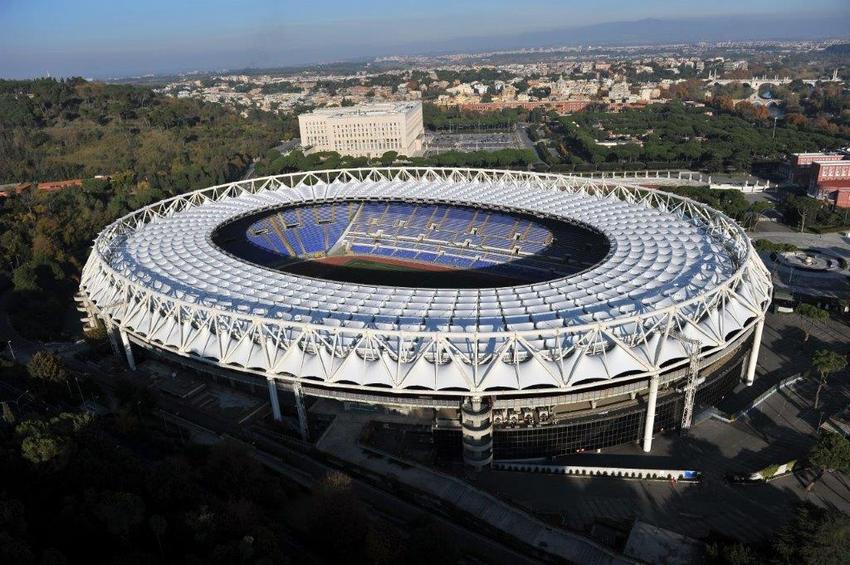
{"x":342,"y":440}
{"x":834,"y":243}
{"x":781,"y":428}
{"x":287,"y":146}
{"x":522,"y":134}
{"x":250,"y":172}
{"x":10,"y":339}
{"x":272,"y":450}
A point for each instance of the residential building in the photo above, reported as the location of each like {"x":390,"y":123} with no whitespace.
{"x":559,"y":106}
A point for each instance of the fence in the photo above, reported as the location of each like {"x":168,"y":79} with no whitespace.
{"x":746,"y":188}
{"x":729,"y":418}
{"x":687,"y":176}
{"x":594,"y":471}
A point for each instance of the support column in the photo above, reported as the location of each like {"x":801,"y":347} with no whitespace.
{"x":275,"y":402}
{"x":745,"y":363}
{"x":754,"y":354}
{"x":476,"y":419}
{"x":113,"y":339}
{"x":650,"y":413}
{"x":91,"y":315}
{"x":302,"y":411}
{"x":128,"y":351}
{"x":120,"y":344}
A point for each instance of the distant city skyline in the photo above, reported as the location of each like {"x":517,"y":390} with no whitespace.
{"x":98,"y":38}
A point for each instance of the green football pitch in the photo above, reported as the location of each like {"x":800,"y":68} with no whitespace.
{"x":362,"y":270}
{"x":366,"y":264}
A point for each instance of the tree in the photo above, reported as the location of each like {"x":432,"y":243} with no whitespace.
{"x":731,"y":554}
{"x":158,"y":525}
{"x":49,"y":443}
{"x":831,"y":453}
{"x":756,"y":210}
{"x":815,"y":536}
{"x":47,"y":367}
{"x":96,"y":335}
{"x":428,"y":543}
{"x":804,"y":207}
{"x":339,"y":523}
{"x":812,"y":314}
{"x":826,"y":362}
{"x":119,"y":512}
{"x":388,"y":158}
{"x":8,"y":414}
{"x":42,"y":447}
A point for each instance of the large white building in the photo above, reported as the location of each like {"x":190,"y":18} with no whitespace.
{"x":368,"y":131}
{"x":575,"y":358}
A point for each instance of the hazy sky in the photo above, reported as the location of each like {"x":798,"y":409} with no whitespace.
{"x":117,"y":38}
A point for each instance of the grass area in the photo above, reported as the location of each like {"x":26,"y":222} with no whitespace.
{"x":380,"y":266}
{"x":364,"y":271}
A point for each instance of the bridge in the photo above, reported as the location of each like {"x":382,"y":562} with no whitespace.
{"x":757,"y":82}
{"x":757,"y":100}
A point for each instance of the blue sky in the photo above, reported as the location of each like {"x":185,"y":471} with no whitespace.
{"x":117,"y":38}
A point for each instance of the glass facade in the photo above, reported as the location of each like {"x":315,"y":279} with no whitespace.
{"x":598,"y":430}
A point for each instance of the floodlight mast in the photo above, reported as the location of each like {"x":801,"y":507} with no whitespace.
{"x":693,"y":348}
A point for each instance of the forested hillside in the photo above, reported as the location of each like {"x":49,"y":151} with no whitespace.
{"x":149,"y":147}
{"x":53,"y":130}
{"x":677,"y":136}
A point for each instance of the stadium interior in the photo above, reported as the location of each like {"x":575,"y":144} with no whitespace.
{"x":413,"y":244}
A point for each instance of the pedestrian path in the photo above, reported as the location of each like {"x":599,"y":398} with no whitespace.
{"x":342,"y":440}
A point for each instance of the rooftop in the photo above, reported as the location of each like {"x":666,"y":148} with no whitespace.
{"x":656,"y":260}
{"x":674,"y":266}
{"x":382,"y":109}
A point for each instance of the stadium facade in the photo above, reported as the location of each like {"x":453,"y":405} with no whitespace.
{"x":588,"y":312}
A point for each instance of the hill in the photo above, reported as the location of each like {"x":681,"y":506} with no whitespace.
{"x":147,"y":147}
{"x":52,"y":130}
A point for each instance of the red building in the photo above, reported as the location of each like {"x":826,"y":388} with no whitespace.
{"x":50,"y":186}
{"x":830,"y":180}
{"x":560,"y":106}
{"x":801,"y":165}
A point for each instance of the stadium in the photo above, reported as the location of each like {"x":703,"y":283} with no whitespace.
{"x":536,"y":314}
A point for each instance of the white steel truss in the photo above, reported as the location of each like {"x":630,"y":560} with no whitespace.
{"x":444,"y":360}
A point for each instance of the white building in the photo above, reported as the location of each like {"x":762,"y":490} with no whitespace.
{"x":619,"y":92}
{"x":480,"y":89}
{"x":365,"y":131}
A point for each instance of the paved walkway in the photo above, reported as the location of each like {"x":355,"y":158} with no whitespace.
{"x":775,"y":432}
{"x":341,"y":440}
{"x":779,"y":429}
{"x":830,"y":242}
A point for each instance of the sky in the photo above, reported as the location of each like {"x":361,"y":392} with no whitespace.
{"x":113,"y":38}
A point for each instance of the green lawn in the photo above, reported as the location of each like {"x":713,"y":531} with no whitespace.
{"x":379,"y":266}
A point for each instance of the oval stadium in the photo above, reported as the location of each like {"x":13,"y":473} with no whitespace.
{"x":535,"y":314}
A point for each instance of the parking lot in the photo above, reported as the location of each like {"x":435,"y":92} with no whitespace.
{"x":780,"y":429}
{"x":439,"y":142}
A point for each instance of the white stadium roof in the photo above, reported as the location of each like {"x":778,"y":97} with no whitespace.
{"x":675,"y":268}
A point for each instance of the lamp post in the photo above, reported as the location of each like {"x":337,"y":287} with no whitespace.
{"x":80,"y":390}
